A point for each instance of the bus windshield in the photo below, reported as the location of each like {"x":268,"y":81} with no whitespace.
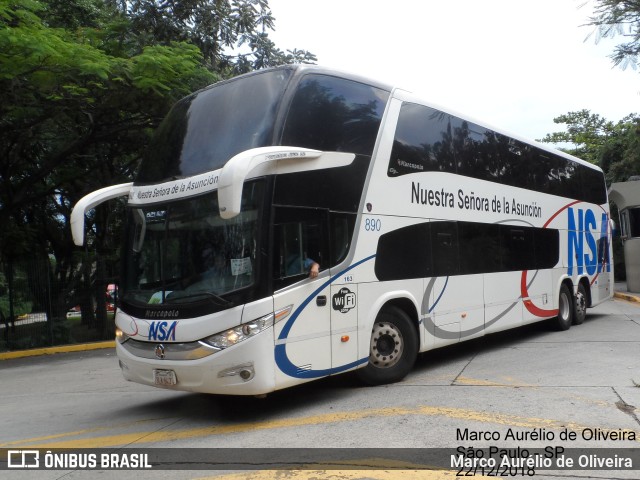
{"x":183,"y":252}
{"x":204,"y":130}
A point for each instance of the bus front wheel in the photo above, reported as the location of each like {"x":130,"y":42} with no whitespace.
{"x":566,"y":304}
{"x":392,"y":350}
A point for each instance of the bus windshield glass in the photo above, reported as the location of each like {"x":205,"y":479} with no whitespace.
{"x":204,"y":130}
{"x":183,"y":252}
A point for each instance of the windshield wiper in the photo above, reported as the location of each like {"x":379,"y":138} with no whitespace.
{"x":218,"y":300}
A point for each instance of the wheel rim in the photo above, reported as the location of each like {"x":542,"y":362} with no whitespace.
{"x":581,"y":304}
{"x":564,"y":307}
{"x":387,"y":345}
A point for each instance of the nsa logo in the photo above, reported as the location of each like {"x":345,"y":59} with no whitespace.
{"x":344,"y":300}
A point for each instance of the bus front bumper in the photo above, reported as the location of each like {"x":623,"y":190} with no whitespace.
{"x":243,"y":369}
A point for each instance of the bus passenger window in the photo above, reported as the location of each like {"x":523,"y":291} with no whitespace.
{"x":481,"y":248}
{"x":592,"y":181}
{"x":476,"y":151}
{"x":547,"y":247}
{"x":444,"y":248}
{"x":334,"y":114}
{"x":517,"y":248}
{"x":570,"y":179}
{"x":404,"y":253}
{"x":423,"y":142}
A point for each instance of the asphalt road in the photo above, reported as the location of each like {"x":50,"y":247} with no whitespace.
{"x":576,"y":389}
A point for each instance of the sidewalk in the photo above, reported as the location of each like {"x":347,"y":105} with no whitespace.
{"x":621,"y":292}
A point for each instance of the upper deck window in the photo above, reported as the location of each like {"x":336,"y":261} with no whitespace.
{"x":428,"y":140}
{"x":203,"y":131}
{"x":334,"y":114}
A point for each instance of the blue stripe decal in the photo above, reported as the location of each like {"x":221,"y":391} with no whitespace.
{"x":282,"y":360}
{"x":439,"y":296}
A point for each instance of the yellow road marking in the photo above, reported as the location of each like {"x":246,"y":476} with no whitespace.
{"x":144,"y":437}
{"x":77,"y":433}
{"x":389,"y":470}
{"x":509,"y":382}
{"x":342,"y":475}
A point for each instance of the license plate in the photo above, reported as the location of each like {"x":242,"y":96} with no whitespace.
{"x":164,"y":377}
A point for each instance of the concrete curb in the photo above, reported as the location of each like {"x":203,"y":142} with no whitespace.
{"x":627,"y":296}
{"x":61,"y":349}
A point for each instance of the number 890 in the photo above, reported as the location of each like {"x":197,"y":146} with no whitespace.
{"x":372,"y":225}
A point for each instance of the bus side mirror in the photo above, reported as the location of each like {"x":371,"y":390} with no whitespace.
{"x":269,"y":161}
{"x":90,"y":201}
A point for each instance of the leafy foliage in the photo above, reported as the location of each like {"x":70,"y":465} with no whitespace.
{"x":231,"y":34}
{"x":70,"y":108}
{"x":619,"y":18}
{"x":615,"y":147}
{"x":83,"y":84}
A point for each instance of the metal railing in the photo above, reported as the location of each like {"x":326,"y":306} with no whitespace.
{"x":37,"y":310}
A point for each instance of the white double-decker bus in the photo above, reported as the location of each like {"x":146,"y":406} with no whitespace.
{"x":428,"y":229}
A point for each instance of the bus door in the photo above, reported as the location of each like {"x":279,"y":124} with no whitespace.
{"x":344,"y":293}
{"x":303,"y":338}
{"x":344,"y":324}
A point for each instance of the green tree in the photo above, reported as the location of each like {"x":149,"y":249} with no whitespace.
{"x":586,"y":132}
{"x":615,"y":147}
{"x":83,"y":84}
{"x":76,"y":110}
{"x":231,"y":34}
{"x":68,"y":106}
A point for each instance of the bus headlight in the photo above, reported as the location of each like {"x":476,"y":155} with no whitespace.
{"x":237,"y":334}
{"x":121,"y":336}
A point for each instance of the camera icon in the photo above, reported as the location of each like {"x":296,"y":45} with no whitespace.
{"x":23,"y":459}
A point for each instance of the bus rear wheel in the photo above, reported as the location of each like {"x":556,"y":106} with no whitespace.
{"x":392,"y":350}
{"x":581,"y":305}
{"x":566,"y":305}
